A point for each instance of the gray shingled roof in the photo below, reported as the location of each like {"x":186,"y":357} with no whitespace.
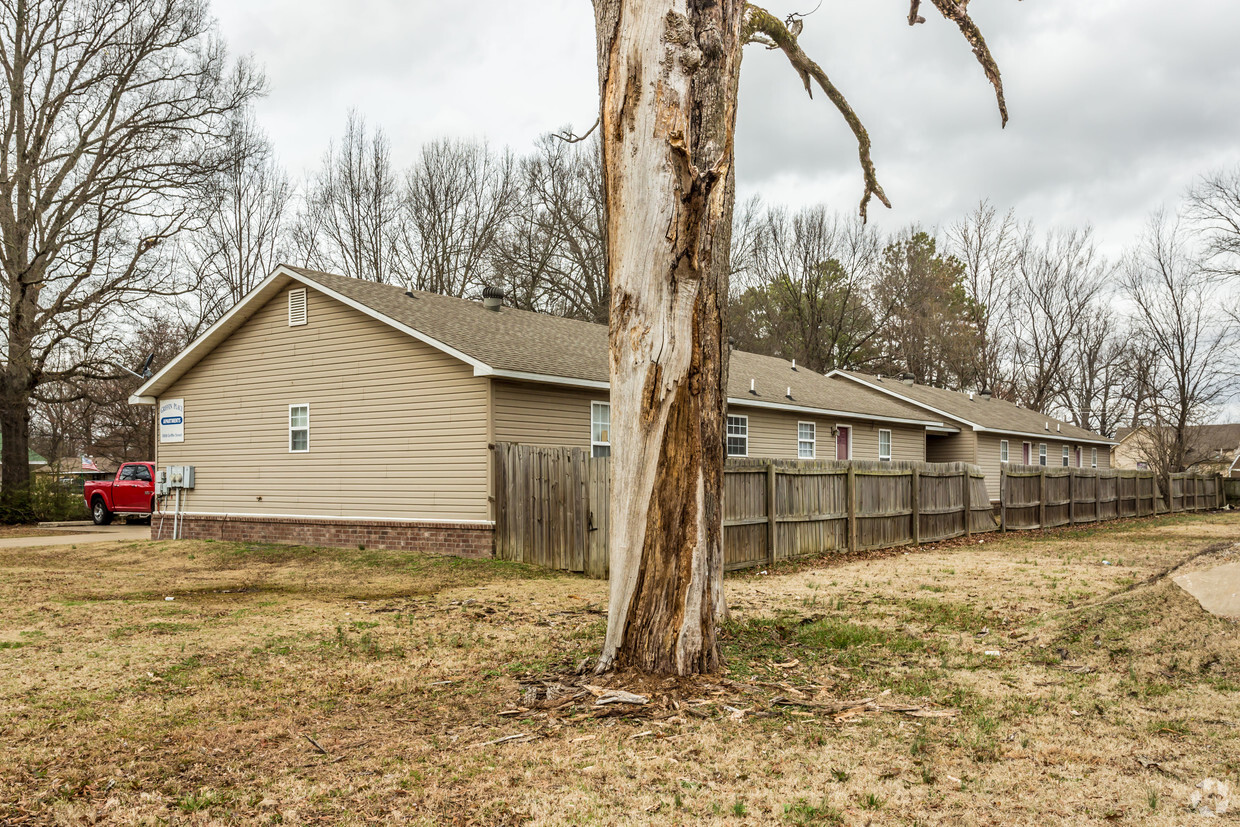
{"x":994,"y":414}
{"x":523,"y":342}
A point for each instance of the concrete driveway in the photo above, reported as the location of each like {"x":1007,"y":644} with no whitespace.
{"x":1216,"y":589}
{"x":77,"y":535}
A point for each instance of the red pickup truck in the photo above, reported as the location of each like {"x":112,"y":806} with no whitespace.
{"x":131,"y":494}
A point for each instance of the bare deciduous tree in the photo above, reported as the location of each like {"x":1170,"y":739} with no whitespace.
{"x":115,"y":117}
{"x":351,"y":207}
{"x":1098,"y":373}
{"x":1179,"y":324}
{"x":456,"y":200}
{"x":244,"y":229}
{"x":550,"y":253}
{"x":987,"y":244}
{"x":1214,"y":210}
{"x":668,"y":77}
{"x":1059,"y":281}
{"x":807,"y":290}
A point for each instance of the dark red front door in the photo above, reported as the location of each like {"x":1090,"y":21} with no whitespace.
{"x":843,"y":443}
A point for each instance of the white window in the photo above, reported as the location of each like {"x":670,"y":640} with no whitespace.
{"x":297,"y":307}
{"x":884,"y":446}
{"x":1066,"y":461}
{"x":600,"y":429}
{"x":298,"y":428}
{"x":1093,"y":457}
{"x":738,"y":436}
{"x":807,"y":439}
{"x":1003,"y":451}
{"x":1041,"y":453}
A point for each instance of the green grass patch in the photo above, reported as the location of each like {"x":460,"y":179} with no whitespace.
{"x":803,"y":812}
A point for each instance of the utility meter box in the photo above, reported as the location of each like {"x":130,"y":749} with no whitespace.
{"x":180,"y":476}
{"x":161,"y":483}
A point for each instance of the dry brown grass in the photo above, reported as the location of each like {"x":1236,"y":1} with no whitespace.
{"x":118,"y":706}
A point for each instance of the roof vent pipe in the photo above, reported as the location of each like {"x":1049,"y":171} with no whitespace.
{"x":794,"y":364}
{"x":492,"y":297}
{"x":789,"y":393}
{"x":984,"y":394}
{"x":752,"y":389}
{"x":907,"y":378}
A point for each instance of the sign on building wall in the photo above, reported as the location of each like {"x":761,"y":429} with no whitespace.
{"x":172,"y":420}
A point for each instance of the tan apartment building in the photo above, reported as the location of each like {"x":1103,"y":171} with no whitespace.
{"x":1208,"y":448}
{"x":329,"y":410}
{"x":991,"y":433}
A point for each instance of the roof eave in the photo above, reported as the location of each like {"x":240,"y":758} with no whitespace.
{"x":782,"y":406}
{"x":896,"y":395}
{"x":1058,"y":436}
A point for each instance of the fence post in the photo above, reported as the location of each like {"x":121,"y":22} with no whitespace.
{"x":915,"y":480}
{"x":772,"y":525}
{"x":1003,"y":495}
{"x":1042,"y":498}
{"x":1071,"y":497}
{"x":968,"y":501}
{"x":852,"y":507}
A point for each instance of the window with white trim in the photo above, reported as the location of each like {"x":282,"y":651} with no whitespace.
{"x":738,"y":436}
{"x":297,"y":307}
{"x":884,"y":446}
{"x":600,"y":429}
{"x":1066,"y":454}
{"x":1003,"y":451}
{"x":1093,"y":457}
{"x":807,"y":440}
{"x":298,"y":429}
{"x":1041,"y":453}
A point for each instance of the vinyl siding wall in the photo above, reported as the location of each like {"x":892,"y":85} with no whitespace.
{"x":398,"y":429}
{"x":961,"y":447}
{"x":549,"y":416}
{"x":988,"y":455}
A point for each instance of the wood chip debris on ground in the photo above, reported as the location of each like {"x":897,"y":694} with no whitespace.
{"x":559,"y":696}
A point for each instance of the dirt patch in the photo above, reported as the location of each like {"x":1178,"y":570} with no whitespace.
{"x":293,"y":685}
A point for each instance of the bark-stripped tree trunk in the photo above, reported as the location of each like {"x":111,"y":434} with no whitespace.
{"x":668,"y":77}
{"x":669,"y":74}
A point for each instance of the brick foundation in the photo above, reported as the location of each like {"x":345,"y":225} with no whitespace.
{"x":458,"y":539}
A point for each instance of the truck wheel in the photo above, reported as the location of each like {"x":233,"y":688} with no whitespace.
{"x":99,"y":512}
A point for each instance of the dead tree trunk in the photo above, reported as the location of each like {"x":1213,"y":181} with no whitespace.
{"x":668,"y":77}
{"x":668,"y":73}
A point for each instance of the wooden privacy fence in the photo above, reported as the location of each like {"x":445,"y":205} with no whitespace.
{"x":551,"y":507}
{"x":1033,"y":496}
{"x":1231,"y":490}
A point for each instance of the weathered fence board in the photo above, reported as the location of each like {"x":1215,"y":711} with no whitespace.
{"x":551,"y":504}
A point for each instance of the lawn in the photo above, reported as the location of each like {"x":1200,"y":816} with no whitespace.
{"x":1019,"y":680}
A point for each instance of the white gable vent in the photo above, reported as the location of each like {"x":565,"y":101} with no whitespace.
{"x":297,"y":307}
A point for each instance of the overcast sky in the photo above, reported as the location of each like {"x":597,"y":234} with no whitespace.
{"x":1115,"y":106}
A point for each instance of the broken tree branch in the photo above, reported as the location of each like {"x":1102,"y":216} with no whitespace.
{"x":957,"y":12}
{"x":568,"y":137}
{"x":763,"y":27}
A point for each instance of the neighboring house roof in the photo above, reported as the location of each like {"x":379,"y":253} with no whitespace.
{"x":68,"y":466}
{"x":981,"y":415}
{"x":35,"y":459}
{"x":519,"y":344}
{"x":1206,"y":443}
